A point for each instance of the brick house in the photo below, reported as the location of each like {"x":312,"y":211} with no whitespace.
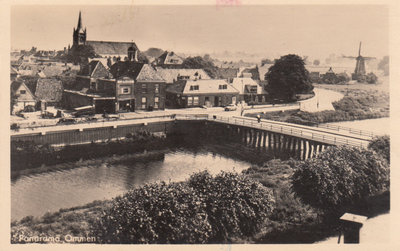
{"x":87,"y":76}
{"x":198,"y":93}
{"x":139,"y":84}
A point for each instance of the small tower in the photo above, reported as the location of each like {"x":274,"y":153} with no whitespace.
{"x":132,"y":53}
{"x":79,"y":35}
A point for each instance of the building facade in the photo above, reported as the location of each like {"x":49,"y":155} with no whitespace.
{"x":199,"y":93}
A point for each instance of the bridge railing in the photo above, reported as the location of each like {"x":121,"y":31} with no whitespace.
{"x":328,"y":139}
{"x":348,"y":129}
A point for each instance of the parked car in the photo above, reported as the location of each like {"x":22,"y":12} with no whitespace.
{"x":47,"y":115}
{"x":66,"y":121}
{"x":231,"y":107}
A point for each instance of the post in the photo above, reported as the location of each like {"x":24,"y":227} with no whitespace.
{"x":351,"y":225}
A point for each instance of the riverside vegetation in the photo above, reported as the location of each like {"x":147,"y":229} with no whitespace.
{"x":357,"y":104}
{"x":278,"y":202}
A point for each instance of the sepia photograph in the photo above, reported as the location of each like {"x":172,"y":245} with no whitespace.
{"x":217,"y":123}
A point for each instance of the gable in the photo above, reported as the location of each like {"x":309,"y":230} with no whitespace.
{"x":100,"y":71}
{"x":23,"y":92}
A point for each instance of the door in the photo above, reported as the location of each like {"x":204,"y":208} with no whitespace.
{"x":234,"y":100}
{"x":216,"y":101}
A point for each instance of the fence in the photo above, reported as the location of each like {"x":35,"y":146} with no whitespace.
{"x":102,"y":133}
{"x":292,"y":131}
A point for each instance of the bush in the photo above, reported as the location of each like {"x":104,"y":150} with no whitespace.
{"x":236,"y":206}
{"x":340,"y":177}
{"x":205,"y":209}
{"x":29,"y":108}
{"x":381,"y":145}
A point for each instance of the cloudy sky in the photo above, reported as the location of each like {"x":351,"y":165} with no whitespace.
{"x":313,"y":30}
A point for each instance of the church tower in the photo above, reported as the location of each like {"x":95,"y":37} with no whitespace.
{"x":79,"y":35}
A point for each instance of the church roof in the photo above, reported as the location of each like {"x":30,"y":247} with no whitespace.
{"x":111,"y":48}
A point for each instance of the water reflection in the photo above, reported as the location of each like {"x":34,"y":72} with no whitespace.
{"x":37,"y":194}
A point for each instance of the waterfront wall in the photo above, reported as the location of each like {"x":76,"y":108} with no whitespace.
{"x":88,"y":135}
{"x":281,"y":144}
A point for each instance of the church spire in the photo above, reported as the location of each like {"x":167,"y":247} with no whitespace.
{"x":79,"y":22}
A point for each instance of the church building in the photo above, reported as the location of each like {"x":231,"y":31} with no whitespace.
{"x":105,"y":49}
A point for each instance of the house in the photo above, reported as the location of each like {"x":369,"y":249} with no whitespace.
{"x":169,"y":58}
{"x":227,"y":73}
{"x":130,"y":86}
{"x":22,"y":95}
{"x":49,"y":91}
{"x":87,"y":76}
{"x":139,"y":84}
{"x":250,"y":91}
{"x":13,"y":73}
{"x":198,"y":93}
{"x":251,"y":72}
{"x":172,"y":75}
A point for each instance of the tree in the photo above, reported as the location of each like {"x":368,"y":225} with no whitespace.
{"x":339,"y":178}
{"x":316,"y":62}
{"x":201,"y":63}
{"x":381,"y":145}
{"x":81,"y":54}
{"x":288,"y":77}
{"x":266,"y":61}
{"x":384,"y":65}
{"x":371,"y":78}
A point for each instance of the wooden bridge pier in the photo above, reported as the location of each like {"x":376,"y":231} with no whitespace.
{"x":264,"y":140}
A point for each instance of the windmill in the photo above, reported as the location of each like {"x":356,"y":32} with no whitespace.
{"x":359,"y":72}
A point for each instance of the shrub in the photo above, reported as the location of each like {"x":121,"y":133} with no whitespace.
{"x":29,"y":108}
{"x":205,"y":209}
{"x":340,"y":177}
{"x":236,"y":206}
{"x":381,"y":145}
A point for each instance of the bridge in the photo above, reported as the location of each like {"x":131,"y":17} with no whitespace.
{"x":295,"y":140}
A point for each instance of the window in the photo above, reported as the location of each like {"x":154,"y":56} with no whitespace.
{"x":22,"y":91}
{"x":190,"y":101}
{"x":157,"y":88}
{"x":144,"y":102}
{"x":194,"y":87}
{"x":223,"y":87}
{"x":156,"y":102}
{"x":196,"y":100}
{"x":125,"y":90}
{"x":144,"y":88}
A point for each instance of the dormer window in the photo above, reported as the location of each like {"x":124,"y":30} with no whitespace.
{"x":223,"y":87}
{"x":194,"y":87}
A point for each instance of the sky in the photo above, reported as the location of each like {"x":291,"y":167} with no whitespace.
{"x":313,"y":30}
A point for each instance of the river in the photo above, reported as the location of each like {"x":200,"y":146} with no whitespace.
{"x":48,"y":192}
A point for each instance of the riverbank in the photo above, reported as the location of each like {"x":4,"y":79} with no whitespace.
{"x":357,"y":104}
{"x":28,"y":157}
{"x":291,"y":221}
